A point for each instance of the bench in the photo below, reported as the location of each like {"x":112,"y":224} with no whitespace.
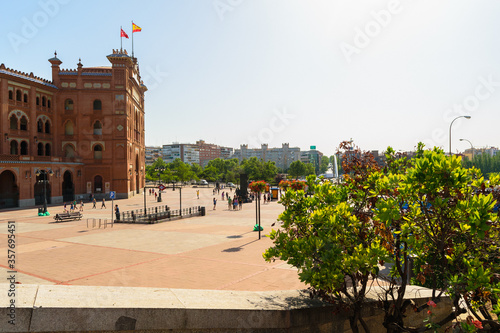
{"x":68,"y":216}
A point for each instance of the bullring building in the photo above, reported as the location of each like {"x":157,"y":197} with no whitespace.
{"x":80,"y":134}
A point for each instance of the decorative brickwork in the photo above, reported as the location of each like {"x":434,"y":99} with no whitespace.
{"x":76,"y":126}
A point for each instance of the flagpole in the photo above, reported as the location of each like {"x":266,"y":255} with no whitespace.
{"x":121,"y":38}
{"x":132,"y":40}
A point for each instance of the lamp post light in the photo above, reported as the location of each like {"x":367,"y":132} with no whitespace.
{"x":472,"y":148}
{"x":466,"y":117}
{"x":45,"y":180}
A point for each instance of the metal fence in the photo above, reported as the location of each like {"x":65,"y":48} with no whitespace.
{"x":159,"y":214}
{"x":97,"y":223}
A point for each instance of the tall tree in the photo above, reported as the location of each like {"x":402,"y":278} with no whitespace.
{"x":309,"y":169}
{"x":325,"y":161}
{"x":296,"y":169}
{"x":181,"y":171}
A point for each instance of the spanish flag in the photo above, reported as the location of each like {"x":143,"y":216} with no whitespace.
{"x":135,"y":28}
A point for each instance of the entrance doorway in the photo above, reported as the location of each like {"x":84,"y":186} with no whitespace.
{"x":9,"y":191}
{"x":68,"y":188}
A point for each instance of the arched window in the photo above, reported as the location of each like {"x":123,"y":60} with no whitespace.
{"x":37,"y":100}
{"x":97,"y":104}
{"x":98,"y":128}
{"x":44,"y":101}
{"x":48,"y":103}
{"x":47,"y":127}
{"x":98,"y":184}
{"x":18,"y":95}
{"x":98,"y":152}
{"x":24,"y":148}
{"x":13,"y":147}
{"x":68,"y":128}
{"x":68,"y":104}
{"x":23,"y":124}
{"x":69,"y":151}
{"x":39,"y":126}
{"x":40,"y":149}
{"x":47,"y":149}
{"x":11,"y":94}
{"x":13,"y":122}
{"x":25,"y":98}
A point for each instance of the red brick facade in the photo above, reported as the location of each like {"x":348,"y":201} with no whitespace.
{"x":85,"y":127}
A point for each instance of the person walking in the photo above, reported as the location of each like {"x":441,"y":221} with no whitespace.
{"x":94,"y":202}
{"x":229,"y":202}
{"x":65,"y":208}
{"x":215,"y":203}
{"x":240,"y":203}
{"x":198,"y":193}
{"x":103,"y":203}
{"x":81,"y":205}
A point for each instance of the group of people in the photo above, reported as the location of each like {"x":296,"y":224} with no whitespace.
{"x":153,"y":192}
{"x":236,"y":203}
{"x":103,"y":203}
{"x":73,"y":206}
{"x":266,"y":197}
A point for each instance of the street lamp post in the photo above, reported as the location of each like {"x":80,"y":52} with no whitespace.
{"x":472,"y":148}
{"x":45,"y":180}
{"x":158,"y":173}
{"x":466,"y":117}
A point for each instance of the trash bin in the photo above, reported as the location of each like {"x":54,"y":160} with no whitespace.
{"x":202,"y":211}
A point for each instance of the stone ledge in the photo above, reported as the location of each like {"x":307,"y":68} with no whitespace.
{"x":58,"y":308}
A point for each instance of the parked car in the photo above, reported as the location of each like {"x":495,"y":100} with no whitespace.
{"x":203,"y":182}
{"x":230,"y":185}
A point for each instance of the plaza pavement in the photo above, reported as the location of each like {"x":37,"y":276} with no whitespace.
{"x":218,"y":251}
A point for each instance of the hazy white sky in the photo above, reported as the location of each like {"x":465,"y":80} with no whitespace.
{"x":303,"y":72}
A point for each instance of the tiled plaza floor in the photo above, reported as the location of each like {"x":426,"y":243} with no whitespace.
{"x":217,"y":251}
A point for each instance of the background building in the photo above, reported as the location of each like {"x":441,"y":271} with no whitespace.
{"x":152,"y":154}
{"x":188,"y":153}
{"x":81,"y":133}
{"x":312,"y":156}
{"x":210,"y":151}
{"x":282,"y":157}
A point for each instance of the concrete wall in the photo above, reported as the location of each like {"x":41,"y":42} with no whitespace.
{"x":60,"y":308}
